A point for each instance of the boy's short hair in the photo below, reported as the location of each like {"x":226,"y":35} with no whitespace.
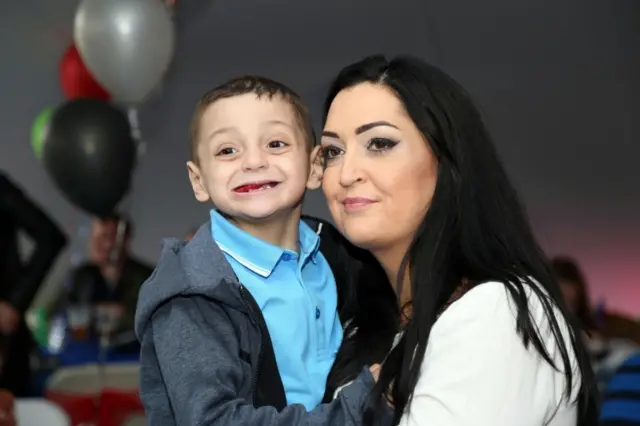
{"x":260,"y":86}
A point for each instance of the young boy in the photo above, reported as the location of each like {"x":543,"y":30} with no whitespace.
{"x":240,"y":325}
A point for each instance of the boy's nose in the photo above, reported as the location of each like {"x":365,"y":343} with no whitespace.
{"x":254,"y":159}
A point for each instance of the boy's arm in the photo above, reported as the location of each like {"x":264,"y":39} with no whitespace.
{"x":200,"y":368}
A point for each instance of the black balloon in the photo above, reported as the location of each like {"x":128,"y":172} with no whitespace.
{"x":90,"y":154}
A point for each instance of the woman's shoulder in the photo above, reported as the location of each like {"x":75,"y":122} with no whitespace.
{"x":481,"y":301}
{"x":493,"y":300}
{"x":477,"y":338}
{"x":490,"y":308}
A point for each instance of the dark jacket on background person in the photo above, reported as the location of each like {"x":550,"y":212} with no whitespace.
{"x":19,"y":282}
{"x":88,"y":283}
{"x":207,"y":357}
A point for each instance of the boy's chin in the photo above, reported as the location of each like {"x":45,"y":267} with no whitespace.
{"x":262,"y":215}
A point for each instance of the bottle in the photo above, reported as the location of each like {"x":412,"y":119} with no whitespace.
{"x":57,"y":334}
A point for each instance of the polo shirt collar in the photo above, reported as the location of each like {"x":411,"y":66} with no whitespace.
{"x":255,"y":254}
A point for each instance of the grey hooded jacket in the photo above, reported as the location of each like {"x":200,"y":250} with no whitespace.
{"x":206,"y":356}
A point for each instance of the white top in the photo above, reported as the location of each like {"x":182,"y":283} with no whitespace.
{"x":476,"y":370}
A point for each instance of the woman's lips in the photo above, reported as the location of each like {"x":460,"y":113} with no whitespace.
{"x":357,"y":203}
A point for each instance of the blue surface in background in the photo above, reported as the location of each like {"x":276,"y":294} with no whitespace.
{"x":88,"y":352}
{"x":80,"y":353}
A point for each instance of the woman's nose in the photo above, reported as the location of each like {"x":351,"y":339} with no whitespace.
{"x":351,"y":170}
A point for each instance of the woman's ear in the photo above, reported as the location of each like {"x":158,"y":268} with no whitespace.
{"x":316,"y":170}
{"x":195,"y":177}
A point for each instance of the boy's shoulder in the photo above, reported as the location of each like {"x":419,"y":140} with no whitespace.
{"x":188,"y":269}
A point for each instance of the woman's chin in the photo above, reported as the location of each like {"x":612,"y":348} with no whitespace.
{"x":362,"y":235}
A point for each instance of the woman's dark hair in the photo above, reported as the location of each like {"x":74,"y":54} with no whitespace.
{"x":566,"y":269}
{"x":475,"y":229}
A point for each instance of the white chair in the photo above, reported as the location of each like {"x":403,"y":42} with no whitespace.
{"x":39,"y":412}
{"x":86,"y":379}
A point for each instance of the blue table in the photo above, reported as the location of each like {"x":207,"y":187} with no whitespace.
{"x":88,"y":352}
{"x":79,"y":353}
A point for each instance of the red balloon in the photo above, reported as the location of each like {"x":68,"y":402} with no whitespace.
{"x":76,"y":80}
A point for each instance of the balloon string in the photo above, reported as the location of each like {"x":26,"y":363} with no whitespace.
{"x":134,"y":123}
{"x":136,"y":133}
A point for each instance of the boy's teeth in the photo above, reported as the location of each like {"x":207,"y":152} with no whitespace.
{"x":251,"y":187}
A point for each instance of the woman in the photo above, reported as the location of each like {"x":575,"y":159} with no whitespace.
{"x":610,"y":338}
{"x":598,"y":322}
{"x":411,"y":174}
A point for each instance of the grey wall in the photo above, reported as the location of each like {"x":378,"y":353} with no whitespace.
{"x":558,"y":82}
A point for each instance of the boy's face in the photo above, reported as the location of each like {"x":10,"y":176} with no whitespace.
{"x":254,"y":161}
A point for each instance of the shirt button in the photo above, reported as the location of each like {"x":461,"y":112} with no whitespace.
{"x":317,"y":313}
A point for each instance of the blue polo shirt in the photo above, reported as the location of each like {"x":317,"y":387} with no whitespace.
{"x":298,"y":299}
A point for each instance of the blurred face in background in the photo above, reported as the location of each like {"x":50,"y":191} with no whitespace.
{"x":571,"y":293}
{"x":103,"y":240}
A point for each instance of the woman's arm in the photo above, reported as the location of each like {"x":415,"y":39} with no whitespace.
{"x":49,"y":242}
{"x":476,"y":370}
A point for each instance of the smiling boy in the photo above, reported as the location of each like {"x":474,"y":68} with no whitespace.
{"x":240,"y":325}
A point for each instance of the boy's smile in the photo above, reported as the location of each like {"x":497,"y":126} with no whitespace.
{"x":256,"y":187}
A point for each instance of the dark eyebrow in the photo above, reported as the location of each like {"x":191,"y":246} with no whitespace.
{"x":328,"y":134}
{"x":360,"y":129}
{"x":369,"y":126}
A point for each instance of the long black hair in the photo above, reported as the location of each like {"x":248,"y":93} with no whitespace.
{"x":475,"y":229}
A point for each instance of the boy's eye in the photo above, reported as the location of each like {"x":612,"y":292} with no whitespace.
{"x":226,"y":151}
{"x":277,"y":144}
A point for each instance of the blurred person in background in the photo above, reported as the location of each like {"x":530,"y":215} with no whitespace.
{"x":110,"y":279}
{"x":611,"y":338}
{"x":20,"y":279}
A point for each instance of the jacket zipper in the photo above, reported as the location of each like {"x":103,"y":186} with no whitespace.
{"x":245,"y":295}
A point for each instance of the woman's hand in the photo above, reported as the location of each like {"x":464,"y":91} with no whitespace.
{"x":375,"y":372}
{"x":9,"y":318}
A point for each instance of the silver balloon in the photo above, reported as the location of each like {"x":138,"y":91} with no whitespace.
{"x":126,"y":44}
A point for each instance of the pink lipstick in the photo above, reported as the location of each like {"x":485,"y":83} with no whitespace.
{"x":356,"y":203}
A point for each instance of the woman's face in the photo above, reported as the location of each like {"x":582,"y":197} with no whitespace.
{"x":380,"y":173}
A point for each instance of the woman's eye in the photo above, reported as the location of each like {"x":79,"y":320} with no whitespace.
{"x":330,"y":152}
{"x":277,"y":144}
{"x":226,"y":151}
{"x":381,"y":144}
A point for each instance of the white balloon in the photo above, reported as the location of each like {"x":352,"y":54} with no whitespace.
{"x":126,"y":44}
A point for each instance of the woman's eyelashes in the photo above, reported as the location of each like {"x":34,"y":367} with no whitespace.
{"x":381,"y":144}
{"x":374,"y":145}
{"x":330,"y":153}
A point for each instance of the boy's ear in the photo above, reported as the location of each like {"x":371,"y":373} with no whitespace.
{"x":316,"y":170}
{"x":195,"y":177}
